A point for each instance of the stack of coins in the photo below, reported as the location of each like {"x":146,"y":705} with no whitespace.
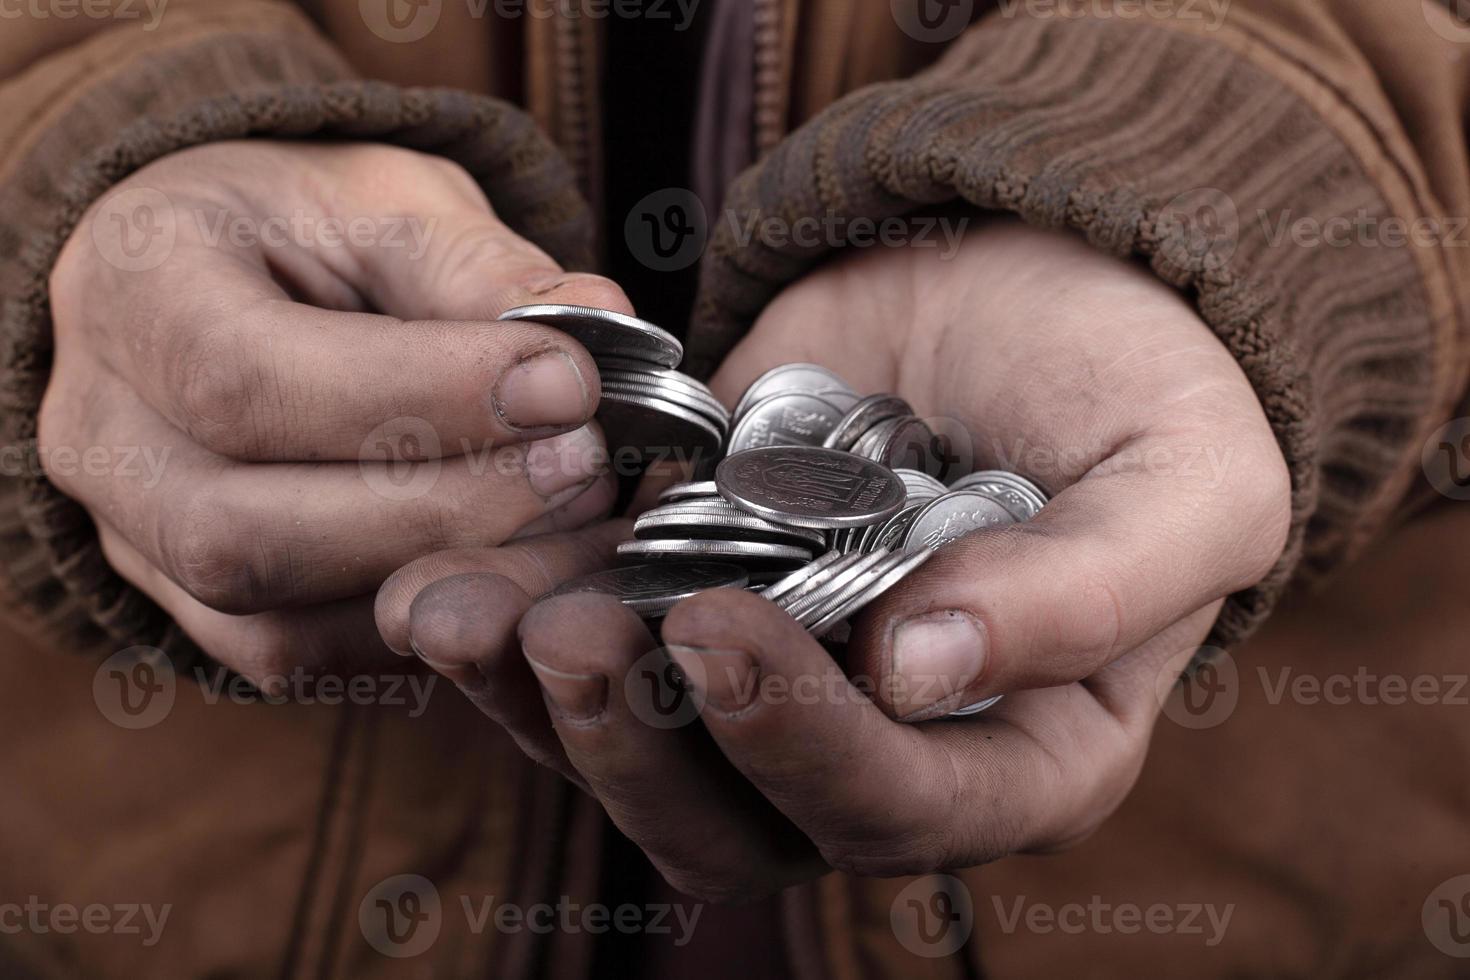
{"x":647,"y":406}
{"x":693,"y":522}
{"x":652,"y":590}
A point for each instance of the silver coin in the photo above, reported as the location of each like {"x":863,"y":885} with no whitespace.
{"x":709,"y":408}
{"x":653,"y":426}
{"x":834,"y":589}
{"x":653,"y":589}
{"x":1021,"y":506}
{"x":921,"y":486}
{"x":733,"y":527}
{"x":817,"y":584}
{"x":891,"y":532}
{"x":604,"y":332}
{"x":671,"y":381}
{"x":1020,"y":483}
{"x":838,"y":594}
{"x":867,"y":444}
{"x":843,"y":398}
{"x":742,"y":551}
{"x":957,"y":513}
{"x":791,"y":377}
{"x":810,"y":487}
{"x":796,"y":578}
{"x":636,"y":366}
{"x":792,"y":418}
{"x":975,"y":709}
{"x":882,"y":580}
{"x":867,"y":413}
{"x":688,"y":491}
{"x":908,"y":444}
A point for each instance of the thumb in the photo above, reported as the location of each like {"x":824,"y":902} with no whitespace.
{"x":1109,"y":563}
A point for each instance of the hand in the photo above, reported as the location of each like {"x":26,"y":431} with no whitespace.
{"x":1076,"y":369}
{"x":307,"y":362}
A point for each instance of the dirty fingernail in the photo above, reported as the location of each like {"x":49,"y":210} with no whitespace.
{"x":935,"y":656}
{"x":544,"y":390}
{"x":578,"y":698}
{"x":724,"y":679}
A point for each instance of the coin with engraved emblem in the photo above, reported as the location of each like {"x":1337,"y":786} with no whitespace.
{"x":810,"y":487}
{"x":952,"y":516}
{"x":791,"y":418}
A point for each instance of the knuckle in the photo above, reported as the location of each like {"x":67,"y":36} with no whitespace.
{"x":480,"y":246}
{"x":1095,"y":622}
{"x":1269,"y":502}
{"x":54,"y":429}
{"x":216,"y":389}
{"x":209,"y":552}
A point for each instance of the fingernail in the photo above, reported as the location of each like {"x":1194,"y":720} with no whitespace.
{"x":591,"y":501}
{"x":577,"y":698}
{"x":724,"y":679}
{"x":417,"y":652}
{"x":544,"y":390}
{"x":567,"y":461}
{"x":935,"y":657}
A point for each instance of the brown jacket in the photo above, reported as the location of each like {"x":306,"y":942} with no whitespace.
{"x":267,"y":827}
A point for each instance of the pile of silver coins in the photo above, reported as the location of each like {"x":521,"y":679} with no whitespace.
{"x":820,"y":499}
{"x":645,"y":401}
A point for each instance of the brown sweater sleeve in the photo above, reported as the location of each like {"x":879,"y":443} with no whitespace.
{"x":85,"y":102}
{"x":1199,"y":145}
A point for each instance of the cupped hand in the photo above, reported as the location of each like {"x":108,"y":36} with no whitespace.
{"x":281,"y":362}
{"x":1075,"y":369}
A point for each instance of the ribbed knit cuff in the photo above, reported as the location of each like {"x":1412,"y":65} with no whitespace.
{"x":211,"y":86}
{"x":1154,"y":143}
